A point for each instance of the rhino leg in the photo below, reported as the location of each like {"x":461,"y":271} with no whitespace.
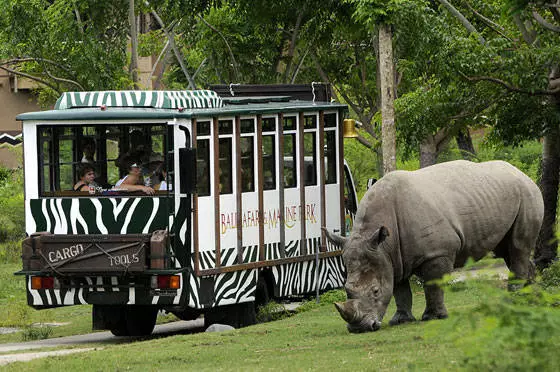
{"x":403,"y":299}
{"x":432,"y":270}
{"x":515,"y":249}
{"x":435,"y":309}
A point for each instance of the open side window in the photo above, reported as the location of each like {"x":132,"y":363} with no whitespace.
{"x":109,"y":150}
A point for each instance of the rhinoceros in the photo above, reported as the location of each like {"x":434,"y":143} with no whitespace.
{"x":428,"y":222}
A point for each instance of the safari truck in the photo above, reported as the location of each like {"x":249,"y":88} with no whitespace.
{"x":250,"y":181}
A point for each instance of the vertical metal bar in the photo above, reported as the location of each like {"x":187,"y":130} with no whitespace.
{"x":196,"y":248}
{"x":260,"y":189}
{"x":302,"y":183}
{"x":322,"y":245}
{"x":341,"y":173}
{"x":238,"y":190}
{"x":280,"y":165}
{"x":215,"y":137}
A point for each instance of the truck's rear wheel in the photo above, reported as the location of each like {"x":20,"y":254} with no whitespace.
{"x":237,"y":315}
{"x":135,"y":321}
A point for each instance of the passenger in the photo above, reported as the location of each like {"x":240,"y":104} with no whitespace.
{"x":133,"y":181}
{"x":88,"y":150}
{"x":162,"y":174}
{"x":86,"y":175}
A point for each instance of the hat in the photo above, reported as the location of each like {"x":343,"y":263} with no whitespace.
{"x":134,"y":165}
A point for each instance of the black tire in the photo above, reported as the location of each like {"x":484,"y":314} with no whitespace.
{"x":261,"y":295}
{"x":187,"y":314}
{"x":136,"y":321}
{"x":119,"y":329}
{"x":237,"y":315}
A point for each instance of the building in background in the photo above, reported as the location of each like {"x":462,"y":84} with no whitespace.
{"x":16,"y":97}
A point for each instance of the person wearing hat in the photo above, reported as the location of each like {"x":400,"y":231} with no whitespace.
{"x":133,"y":181}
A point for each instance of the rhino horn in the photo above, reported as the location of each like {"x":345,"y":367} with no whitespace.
{"x":335,"y":238}
{"x":347,"y":310}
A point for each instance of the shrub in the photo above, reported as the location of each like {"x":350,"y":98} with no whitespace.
{"x":41,"y":332}
{"x":326,"y":298}
{"x":10,"y":252}
{"x":521,"y":333}
{"x":12,"y":218}
{"x":271,"y":311}
{"x":551,"y":275}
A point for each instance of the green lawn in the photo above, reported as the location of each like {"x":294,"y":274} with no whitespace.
{"x":69,"y":320}
{"x":488,"y":329}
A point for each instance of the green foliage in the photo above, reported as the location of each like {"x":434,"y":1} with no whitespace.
{"x":271,"y":311}
{"x":71,"y":44}
{"x":10,"y":252}
{"x":526,"y":156}
{"x":551,"y":275}
{"x":501,"y":328}
{"x":33,"y":332}
{"x":327,"y":298}
{"x":12,"y":218}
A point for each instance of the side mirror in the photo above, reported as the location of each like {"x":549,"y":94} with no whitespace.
{"x":187,"y":170}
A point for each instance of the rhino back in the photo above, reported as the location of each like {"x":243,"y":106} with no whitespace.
{"x":456,"y":209}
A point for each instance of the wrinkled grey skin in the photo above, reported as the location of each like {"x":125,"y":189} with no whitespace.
{"x":428,"y":222}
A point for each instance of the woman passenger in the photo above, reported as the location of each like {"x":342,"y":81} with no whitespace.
{"x":133,"y":181}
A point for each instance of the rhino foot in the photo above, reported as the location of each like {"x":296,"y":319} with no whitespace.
{"x":428,"y":315}
{"x":402,"y":317}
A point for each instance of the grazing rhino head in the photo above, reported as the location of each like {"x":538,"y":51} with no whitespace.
{"x":369,"y":281}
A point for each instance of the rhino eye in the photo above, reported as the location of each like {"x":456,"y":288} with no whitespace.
{"x":376,"y":292}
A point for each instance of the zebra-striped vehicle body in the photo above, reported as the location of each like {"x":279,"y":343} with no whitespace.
{"x":249,"y":185}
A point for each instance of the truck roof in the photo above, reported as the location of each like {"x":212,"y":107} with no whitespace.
{"x":108,"y":105}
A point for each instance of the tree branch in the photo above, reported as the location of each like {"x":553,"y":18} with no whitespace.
{"x":549,"y":26}
{"x":39,"y":80}
{"x":529,"y":36}
{"x":160,"y":56}
{"x":513,"y":88}
{"x":176,"y":51}
{"x":364,"y":142}
{"x":233,"y":61}
{"x":64,"y":80}
{"x":494,"y":26}
{"x":293,"y":42}
{"x":322,"y":73}
{"x":464,"y":21}
{"x":34,"y":59}
{"x":298,"y":66}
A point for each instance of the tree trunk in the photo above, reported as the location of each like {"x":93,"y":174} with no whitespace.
{"x":133,"y":69}
{"x":464,"y":142}
{"x":387,"y":84}
{"x":547,"y":245}
{"x":428,"y":152}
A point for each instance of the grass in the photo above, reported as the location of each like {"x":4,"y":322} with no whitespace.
{"x":317,"y":339}
{"x":73,"y":320}
{"x":17,"y":314}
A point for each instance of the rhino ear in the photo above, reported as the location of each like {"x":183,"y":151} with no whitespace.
{"x":334,"y":238}
{"x":378,"y":236}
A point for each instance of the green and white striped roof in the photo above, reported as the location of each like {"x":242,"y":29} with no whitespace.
{"x":164,"y":99}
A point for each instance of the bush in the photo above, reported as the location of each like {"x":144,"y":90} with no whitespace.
{"x":10,"y":252}
{"x":12,"y":218}
{"x":41,"y":332}
{"x":523,"y":334}
{"x":327,"y":298}
{"x":551,"y":275}
{"x":271,"y":311}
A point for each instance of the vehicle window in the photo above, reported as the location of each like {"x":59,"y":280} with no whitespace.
{"x":68,"y":153}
